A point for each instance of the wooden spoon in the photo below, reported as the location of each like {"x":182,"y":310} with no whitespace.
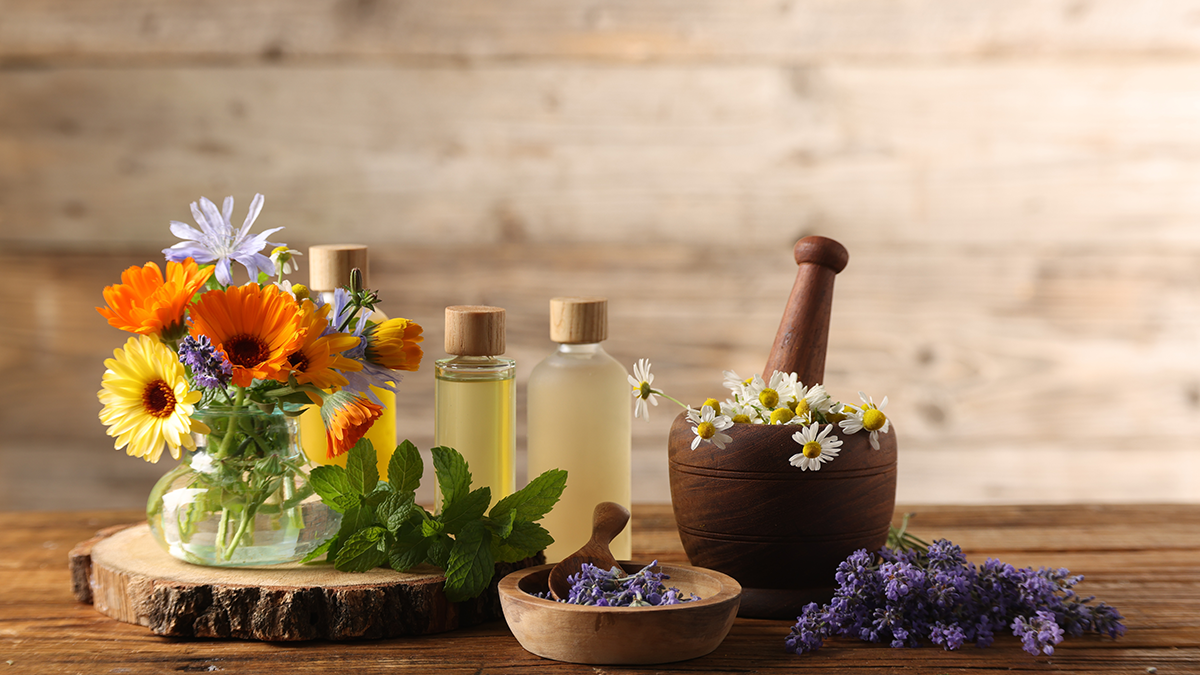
{"x":608,"y":520}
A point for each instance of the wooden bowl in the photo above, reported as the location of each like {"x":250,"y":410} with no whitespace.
{"x":621,"y":635}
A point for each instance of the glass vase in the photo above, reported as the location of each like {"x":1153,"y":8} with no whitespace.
{"x":242,"y":497}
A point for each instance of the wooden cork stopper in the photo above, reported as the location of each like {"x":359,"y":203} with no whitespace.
{"x":329,"y":265}
{"x":578,"y":321}
{"x":474,"y":330}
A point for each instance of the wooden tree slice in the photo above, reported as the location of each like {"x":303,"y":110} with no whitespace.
{"x":125,"y":575}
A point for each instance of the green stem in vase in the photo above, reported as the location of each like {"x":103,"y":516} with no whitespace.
{"x":222,"y":527}
{"x":231,"y":423}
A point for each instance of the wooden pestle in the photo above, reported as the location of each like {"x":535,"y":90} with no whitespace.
{"x":803,"y":335}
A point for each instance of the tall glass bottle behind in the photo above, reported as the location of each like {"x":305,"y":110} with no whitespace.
{"x":329,"y":267}
{"x":475,"y":398}
{"x":579,"y":420}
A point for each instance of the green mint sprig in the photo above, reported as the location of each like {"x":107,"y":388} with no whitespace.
{"x":383,"y":525}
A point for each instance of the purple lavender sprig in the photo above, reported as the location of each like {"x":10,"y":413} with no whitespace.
{"x":209,"y":366}
{"x":906,"y":596}
{"x":614,"y":588}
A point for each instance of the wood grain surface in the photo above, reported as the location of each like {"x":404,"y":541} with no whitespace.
{"x":1140,"y":558}
{"x":1014,"y":181}
{"x":126,"y":575}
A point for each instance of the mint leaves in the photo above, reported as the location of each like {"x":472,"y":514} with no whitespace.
{"x":383,"y":525}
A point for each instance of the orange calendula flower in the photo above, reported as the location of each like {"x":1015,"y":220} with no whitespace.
{"x":318,"y":358}
{"x":258,"y":328}
{"x":347,"y":418}
{"x":394,"y":344}
{"x":147,"y":303}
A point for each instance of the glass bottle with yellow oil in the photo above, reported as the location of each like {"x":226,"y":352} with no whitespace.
{"x":475,"y":398}
{"x":579,"y":420}
{"x":330,"y":266}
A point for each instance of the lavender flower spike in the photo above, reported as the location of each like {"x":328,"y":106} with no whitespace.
{"x":208,"y":364}
{"x":216,"y":241}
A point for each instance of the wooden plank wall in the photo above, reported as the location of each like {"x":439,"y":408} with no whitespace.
{"x":1016,"y":183}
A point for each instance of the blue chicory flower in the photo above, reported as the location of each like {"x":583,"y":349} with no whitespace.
{"x":217,"y":242}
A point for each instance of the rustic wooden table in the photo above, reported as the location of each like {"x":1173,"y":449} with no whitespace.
{"x":1143,"y":559}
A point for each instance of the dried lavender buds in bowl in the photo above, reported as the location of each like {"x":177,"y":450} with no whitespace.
{"x":691,"y":618}
{"x":598,"y":587}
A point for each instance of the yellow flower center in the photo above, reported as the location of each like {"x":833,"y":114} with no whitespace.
{"x":281,"y":252}
{"x":812,"y":450}
{"x":246,"y":351}
{"x":301,"y":292}
{"x":158,"y":400}
{"x":741,"y":419}
{"x":769,"y":397}
{"x":781,"y":416}
{"x":802,"y":407}
{"x":706,"y":430}
{"x":873,"y":420}
{"x":712,"y":403}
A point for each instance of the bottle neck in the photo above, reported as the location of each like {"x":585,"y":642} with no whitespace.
{"x":586,"y":349}
{"x":474,"y":367}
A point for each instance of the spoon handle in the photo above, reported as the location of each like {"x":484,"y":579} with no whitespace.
{"x":608,"y":519}
{"x":803,"y":335}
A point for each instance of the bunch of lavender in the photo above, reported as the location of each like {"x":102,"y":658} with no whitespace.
{"x":906,"y":595}
{"x":613,"y":588}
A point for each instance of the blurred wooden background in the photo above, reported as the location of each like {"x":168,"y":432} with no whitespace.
{"x":1016,"y":183}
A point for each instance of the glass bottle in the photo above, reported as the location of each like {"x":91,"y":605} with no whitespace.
{"x":475,"y":398}
{"x":579,"y":420}
{"x":329,"y":269}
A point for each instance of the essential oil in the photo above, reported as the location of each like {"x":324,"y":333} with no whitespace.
{"x":330,"y":266}
{"x":579,"y":420}
{"x":475,"y":398}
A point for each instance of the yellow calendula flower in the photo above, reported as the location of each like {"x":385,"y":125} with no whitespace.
{"x":394,"y":344}
{"x":318,"y":360}
{"x":147,"y":401}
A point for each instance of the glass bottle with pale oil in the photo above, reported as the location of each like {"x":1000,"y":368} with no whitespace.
{"x":329,"y":268}
{"x":475,"y":398}
{"x":579,"y":420}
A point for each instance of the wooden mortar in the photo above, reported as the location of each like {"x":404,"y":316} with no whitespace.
{"x":747,"y":512}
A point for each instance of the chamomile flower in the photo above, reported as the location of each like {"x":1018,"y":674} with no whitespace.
{"x":785,"y":384}
{"x":709,"y":426}
{"x":758,"y":394}
{"x":771,"y":394}
{"x":817,"y":447}
{"x":810,"y":399}
{"x":282,"y":257}
{"x":740,"y":413}
{"x":782,"y":415}
{"x":641,"y":380}
{"x":867,"y":416}
{"x":736,"y":384}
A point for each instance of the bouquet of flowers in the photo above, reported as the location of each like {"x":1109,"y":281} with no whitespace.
{"x":781,"y":400}
{"x":208,"y":359}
